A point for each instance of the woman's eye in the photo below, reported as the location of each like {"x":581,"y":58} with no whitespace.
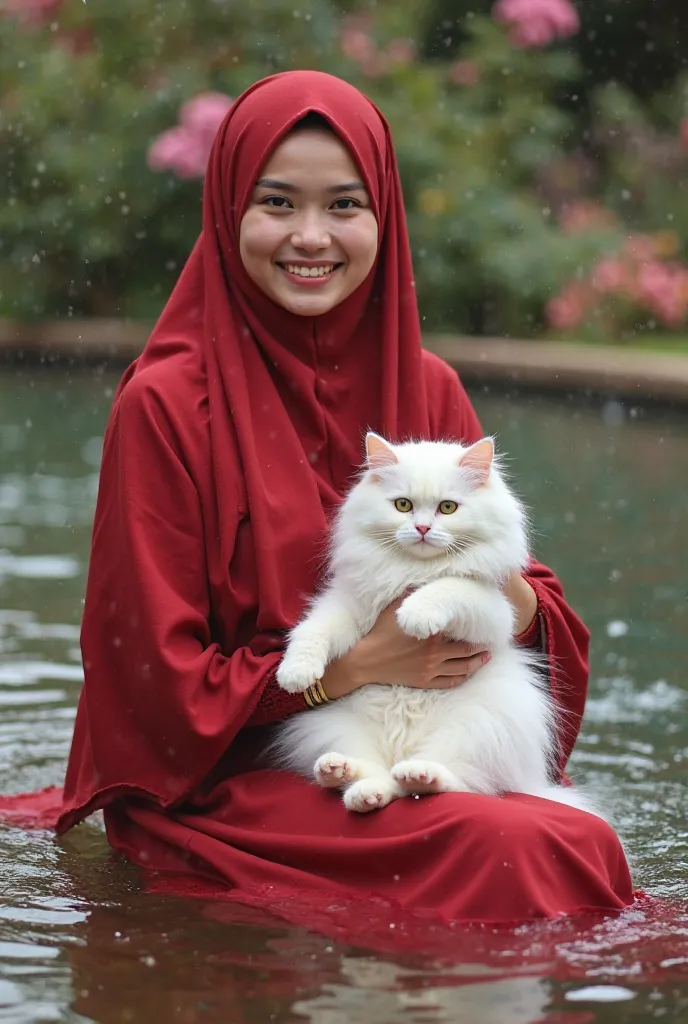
{"x":403,"y":505}
{"x":277,"y":202}
{"x":345,"y":204}
{"x":447,"y":507}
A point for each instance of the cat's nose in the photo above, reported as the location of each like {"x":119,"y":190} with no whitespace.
{"x":422,"y":530}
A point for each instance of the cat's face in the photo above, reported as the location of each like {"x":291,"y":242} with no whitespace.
{"x":421,"y":498}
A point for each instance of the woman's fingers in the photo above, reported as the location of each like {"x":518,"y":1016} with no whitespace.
{"x":453,"y":673}
{"x":461,"y":666}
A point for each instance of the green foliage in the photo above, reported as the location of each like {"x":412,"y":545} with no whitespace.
{"x":87,"y":229}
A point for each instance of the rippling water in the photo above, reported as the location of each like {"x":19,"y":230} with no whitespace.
{"x":79,"y":941}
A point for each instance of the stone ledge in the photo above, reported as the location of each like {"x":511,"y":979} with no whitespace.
{"x":561,"y":366}
{"x":634,"y":374}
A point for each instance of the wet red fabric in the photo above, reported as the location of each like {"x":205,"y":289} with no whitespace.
{"x":469,"y":857}
{"x":230,"y":441}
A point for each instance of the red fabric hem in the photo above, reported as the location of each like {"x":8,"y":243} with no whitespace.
{"x":546,"y":629}
{"x":299,"y":907}
{"x":39,"y":810}
{"x":532,"y":636}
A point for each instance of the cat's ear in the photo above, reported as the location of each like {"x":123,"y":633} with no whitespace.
{"x":379,"y":452}
{"x":478,"y":460}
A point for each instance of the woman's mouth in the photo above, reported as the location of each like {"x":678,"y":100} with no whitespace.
{"x":309,"y":273}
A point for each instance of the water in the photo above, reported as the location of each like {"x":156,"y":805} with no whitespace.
{"x":80,"y":941}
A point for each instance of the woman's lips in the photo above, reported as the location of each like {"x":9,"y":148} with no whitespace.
{"x":309,"y":275}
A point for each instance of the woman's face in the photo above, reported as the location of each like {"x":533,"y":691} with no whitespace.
{"x":309,"y":236}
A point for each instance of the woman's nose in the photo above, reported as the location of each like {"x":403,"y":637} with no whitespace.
{"x":310,"y":234}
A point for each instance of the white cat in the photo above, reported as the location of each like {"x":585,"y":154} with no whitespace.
{"x":439,"y":520}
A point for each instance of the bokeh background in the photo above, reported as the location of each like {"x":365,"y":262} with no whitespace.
{"x":543,"y":147}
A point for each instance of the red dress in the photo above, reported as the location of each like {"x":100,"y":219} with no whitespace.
{"x":230,"y":441}
{"x":264,"y":833}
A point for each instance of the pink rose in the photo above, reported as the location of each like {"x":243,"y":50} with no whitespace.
{"x":464,"y":72}
{"x":357,"y":45}
{"x":34,"y":11}
{"x":377,"y":66}
{"x":537,"y":23}
{"x":568,"y":309}
{"x":204,"y":114}
{"x":585,"y":215}
{"x":180,"y":151}
{"x":609,"y":274}
{"x":640,"y":247}
{"x":662,"y":288}
{"x":401,"y":51}
{"x":185,"y":149}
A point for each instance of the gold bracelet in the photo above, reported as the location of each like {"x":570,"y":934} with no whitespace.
{"x":319,"y":687}
{"x":315,"y":695}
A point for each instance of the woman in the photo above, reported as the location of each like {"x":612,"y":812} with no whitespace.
{"x":293,"y":327}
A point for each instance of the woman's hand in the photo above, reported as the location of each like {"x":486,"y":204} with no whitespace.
{"x":387,"y":655}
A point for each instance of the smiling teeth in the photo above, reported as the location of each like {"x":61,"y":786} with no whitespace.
{"x":309,"y":271}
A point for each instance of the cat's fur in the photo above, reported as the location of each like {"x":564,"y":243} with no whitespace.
{"x":494,"y":733}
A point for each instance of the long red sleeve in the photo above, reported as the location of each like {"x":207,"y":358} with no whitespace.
{"x":566,"y":638}
{"x":165,"y":690}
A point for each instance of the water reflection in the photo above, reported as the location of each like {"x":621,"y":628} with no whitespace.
{"x":79,"y":940}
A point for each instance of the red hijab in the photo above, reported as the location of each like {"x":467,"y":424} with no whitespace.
{"x":270,"y":437}
{"x":295,"y":393}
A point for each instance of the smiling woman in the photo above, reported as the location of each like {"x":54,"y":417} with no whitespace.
{"x":292,"y":330}
{"x":309,"y":237}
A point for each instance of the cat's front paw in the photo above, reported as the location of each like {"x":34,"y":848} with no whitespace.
{"x":420,"y":617}
{"x":419,"y":776}
{"x":299,"y":669}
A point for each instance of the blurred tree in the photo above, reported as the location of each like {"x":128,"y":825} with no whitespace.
{"x":638,"y":43}
{"x":501,"y":129}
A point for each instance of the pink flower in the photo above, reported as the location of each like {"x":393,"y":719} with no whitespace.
{"x":640,"y":247}
{"x":204,"y":114}
{"x":464,"y":72}
{"x":180,"y":151}
{"x":537,"y":23}
{"x":662,"y":287}
{"x":357,"y":45}
{"x":568,"y":309}
{"x":77,"y":40}
{"x":185,"y":149}
{"x":377,"y":66}
{"x":610,"y":274}
{"x":34,"y":11}
{"x":401,"y":51}
{"x":585,"y":215}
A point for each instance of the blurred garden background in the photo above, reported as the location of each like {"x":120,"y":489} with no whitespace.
{"x":543,"y":147}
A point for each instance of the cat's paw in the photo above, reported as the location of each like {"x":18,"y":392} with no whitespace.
{"x":420,"y":617}
{"x":371,"y":794}
{"x":299,"y":668}
{"x":332,"y":771}
{"x":417,"y":776}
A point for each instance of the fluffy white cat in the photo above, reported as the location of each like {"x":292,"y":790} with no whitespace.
{"x":438,"y":520}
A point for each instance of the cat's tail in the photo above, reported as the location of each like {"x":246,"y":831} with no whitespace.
{"x":572,"y":797}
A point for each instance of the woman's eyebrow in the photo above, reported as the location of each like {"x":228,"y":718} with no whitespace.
{"x":348,"y":186}
{"x":284,"y":186}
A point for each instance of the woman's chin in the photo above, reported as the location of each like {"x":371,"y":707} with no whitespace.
{"x":307,"y":305}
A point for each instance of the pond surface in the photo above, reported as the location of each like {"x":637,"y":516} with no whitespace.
{"x":80,"y":940}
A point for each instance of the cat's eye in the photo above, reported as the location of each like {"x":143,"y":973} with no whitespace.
{"x":447,"y":507}
{"x":403,"y":505}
